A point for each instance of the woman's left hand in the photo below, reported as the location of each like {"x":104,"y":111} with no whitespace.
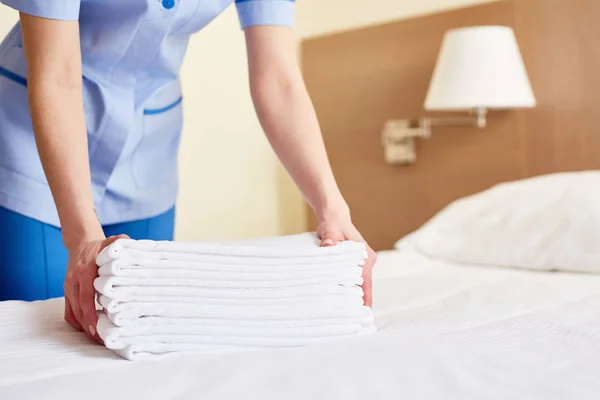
{"x":334,"y":230}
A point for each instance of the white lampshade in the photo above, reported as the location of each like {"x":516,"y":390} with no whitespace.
{"x":479,"y":67}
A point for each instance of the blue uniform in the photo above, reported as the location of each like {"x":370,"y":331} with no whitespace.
{"x":33,"y":260}
{"x":132,"y":51}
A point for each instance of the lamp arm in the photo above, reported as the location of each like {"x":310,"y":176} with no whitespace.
{"x":477,"y":118}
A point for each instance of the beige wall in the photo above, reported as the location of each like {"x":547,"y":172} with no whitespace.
{"x":318,"y":17}
{"x":228,"y":173}
{"x":8,"y":18}
{"x":232,"y":185}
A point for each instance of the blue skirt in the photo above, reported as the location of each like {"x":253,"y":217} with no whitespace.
{"x":33,"y":259}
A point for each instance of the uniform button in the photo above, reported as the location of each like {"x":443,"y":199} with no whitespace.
{"x":168,"y":4}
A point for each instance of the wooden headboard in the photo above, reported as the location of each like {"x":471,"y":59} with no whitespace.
{"x":361,"y":78}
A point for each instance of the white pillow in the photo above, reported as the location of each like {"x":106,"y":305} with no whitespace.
{"x":549,"y":223}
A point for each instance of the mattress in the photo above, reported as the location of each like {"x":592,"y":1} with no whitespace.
{"x":446,"y":331}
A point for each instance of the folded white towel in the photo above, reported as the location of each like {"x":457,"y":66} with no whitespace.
{"x":211,"y":295}
{"x":131,"y":344}
{"x":287,"y":249}
{"x":162,"y":297}
{"x":142,"y":256}
{"x":135,"y":266}
{"x":152,"y":351}
{"x":119,"y":337}
{"x":107,"y":286}
{"x":366,"y":319}
{"x":111,"y":285}
{"x":118,"y":305}
{"x":119,"y":268}
{"x":351,"y":308}
{"x":339,"y":306}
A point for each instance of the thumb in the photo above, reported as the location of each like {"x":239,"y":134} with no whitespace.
{"x":330,"y":238}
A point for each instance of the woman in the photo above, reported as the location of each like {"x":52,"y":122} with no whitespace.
{"x":121,"y":177}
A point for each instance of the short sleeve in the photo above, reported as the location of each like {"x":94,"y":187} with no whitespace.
{"x":265,"y":12}
{"x":67,"y":10}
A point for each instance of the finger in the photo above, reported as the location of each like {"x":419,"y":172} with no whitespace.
{"x":368,"y":277}
{"x":78,"y":313}
{"x":87,"y":301}
{"x":74,"y":298}
{"x":367,"y":271}
{"x":367,"y":287}
{"x":69,"y":316}
{"x":108,"y":241}
{"x":70,"y":289}
{"x":331,"y":238}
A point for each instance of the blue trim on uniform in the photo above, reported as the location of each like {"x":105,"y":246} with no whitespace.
{"x":13,"y":77}
{"x":33,"y":259}
{"x":153,"y":111}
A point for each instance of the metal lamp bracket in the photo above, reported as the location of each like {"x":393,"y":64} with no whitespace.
{"x":398,"y":136}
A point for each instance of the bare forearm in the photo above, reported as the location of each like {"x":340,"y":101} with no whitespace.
{"x":55,"y":98}
{"x":288,"y":117}
{"x":290,"y":122}
{"x":62,"y":144}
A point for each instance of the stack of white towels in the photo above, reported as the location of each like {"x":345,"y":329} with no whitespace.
{"x":165,"y":297}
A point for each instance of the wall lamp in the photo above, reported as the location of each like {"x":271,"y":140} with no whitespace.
{"x":479,"y":69}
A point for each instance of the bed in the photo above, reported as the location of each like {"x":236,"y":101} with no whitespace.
{"x":496,"y":297}
{"x":446,"y":331}
{"x":456,"y":317}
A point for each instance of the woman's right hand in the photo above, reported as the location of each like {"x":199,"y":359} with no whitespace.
{"x":80,"y":304}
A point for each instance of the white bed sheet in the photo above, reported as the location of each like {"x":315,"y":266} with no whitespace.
{"x":445,"y":332}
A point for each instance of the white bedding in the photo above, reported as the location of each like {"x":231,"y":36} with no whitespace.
{"x":445,"y":332}
{"x":548,"y":223}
